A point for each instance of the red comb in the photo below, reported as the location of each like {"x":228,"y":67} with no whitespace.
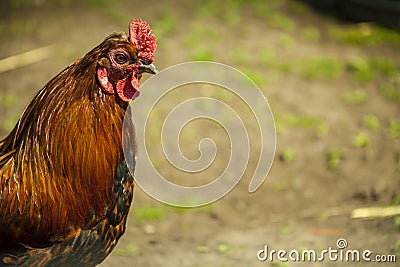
{"x":141,"y":36}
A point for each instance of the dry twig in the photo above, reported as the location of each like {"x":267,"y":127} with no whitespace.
{"x":26,"y":58}
{"x":375,"y":212}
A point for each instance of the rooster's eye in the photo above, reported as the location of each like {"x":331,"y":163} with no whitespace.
{"x":120,"y":58}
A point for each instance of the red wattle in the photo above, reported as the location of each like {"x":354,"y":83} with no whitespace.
{"x":128,"y":89}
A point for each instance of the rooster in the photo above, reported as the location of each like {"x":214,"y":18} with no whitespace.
{"x":65,"y":188}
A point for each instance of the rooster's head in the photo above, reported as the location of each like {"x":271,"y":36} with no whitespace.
{"x":124,"y":59}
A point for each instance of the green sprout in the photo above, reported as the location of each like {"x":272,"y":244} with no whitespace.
{"x":355,"y":97}
{"x":397,"y":222}
{"x":128,"y":250}
{"x":365,"y":34}
{"x":360,"y":140}
{"x":334,"y":158}
{"x":7,"y":100}
{"x":9,"y":123}
{"x":286,"y":229}
{"x":202,"y":54}
{"x":286,"y":41}
{"x":397,"y":245}
{"x":240,"y":56}
{"x":267,"y":57}
{"x":395,"y":128}
{"x":224,"y":249}
{"x":148,"y":213}
{"x":165,"y":25}
{"x":361,"y":70}
{"x":281,"y":21}
{"x":323,"y":68}
{"x":371,"y":122}
{"x":288,"y":155}
{"x":391,"y":92}
{"x":232,"y":13}
{"x":366,"y":70}
{"x":207,"y":9}
{"x":201,"y":249}
{"x":257,"y":77}
{"x":311,"y":34}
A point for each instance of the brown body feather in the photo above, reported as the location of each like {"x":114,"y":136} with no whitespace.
{"x":58,"y":166}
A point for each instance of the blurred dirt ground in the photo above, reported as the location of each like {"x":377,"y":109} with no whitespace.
{"x":333,"y":86}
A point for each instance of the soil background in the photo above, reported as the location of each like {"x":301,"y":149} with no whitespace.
{"x":335,"y":110}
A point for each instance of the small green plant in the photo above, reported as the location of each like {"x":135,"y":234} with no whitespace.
{"x":208,"y":208}
{"x":360,"y":140}
{"x":396,"y":221}
{"x":311,"y":34}
{"x":395,"y":128}
{"x":323,"y":216}
{"x":287,"y":67}
{"x":7,"y":100}
{"x":320,"y":126}
{"x":224,"y":249}
{"x":281,"y":186}
{"x":232,"y":14}
{"x":300,"y":121}
{"x":322,"y":68}
{"x":288,"y":155}
{"x":366,"y":70}
{"x":281,"y":21}
{"x":148,"y":213}
{"x":201,"y":249}
{"x":240,"y":56}
{"x":264,"y":11}
{"x":202,"y":54}
{"x":9,"y":123}
{"x":286,"y":229}
{"x":128,"y":250}
{"x":286,"y":41}
{"x":396,"y":201}
{"x":279,"y":124}
{"x":365,"y":34}
{"x":397,"y":245}
{"x":391,"y":91}
{"x":384,"y":66}
{"x":334,"y":157}
{"x":371,"y":122}
{"x":267,"y":57}
{"x":200,"y":33}
{"x":179,"y":209}
{"x":165,"y":25}
{"x":361,"y":70}
{"x":257,"y":77}
{"x":207,"y":9}
{"x":355,"y":97}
